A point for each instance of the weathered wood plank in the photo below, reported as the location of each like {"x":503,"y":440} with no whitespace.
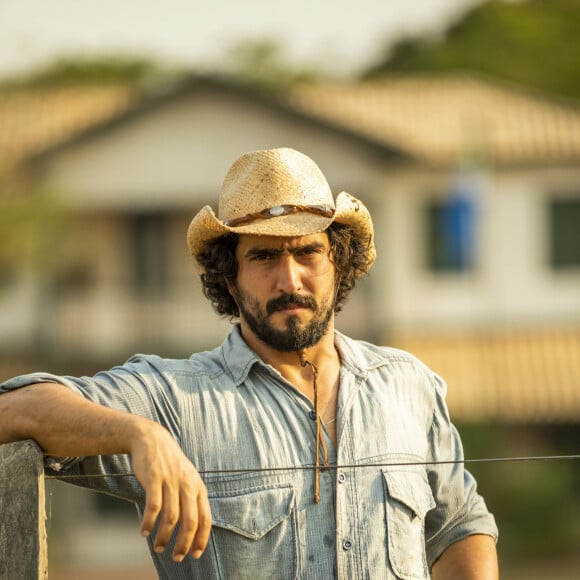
{"x":23,"y":544}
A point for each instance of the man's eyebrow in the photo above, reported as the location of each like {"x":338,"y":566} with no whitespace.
{"x":309,"y":246}
{"x":268,"y":251}
{"x":258,"y":251}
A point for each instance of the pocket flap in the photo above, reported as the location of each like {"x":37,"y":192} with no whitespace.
{"x":410,"y":489}
{"x":252,"y":513}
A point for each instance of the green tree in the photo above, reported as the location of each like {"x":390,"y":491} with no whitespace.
{"x":98,"y":70}
{"x":534,"y":43}
{"x":262,"y":64}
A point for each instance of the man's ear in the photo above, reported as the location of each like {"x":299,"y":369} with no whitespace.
{"x":232,"y":290}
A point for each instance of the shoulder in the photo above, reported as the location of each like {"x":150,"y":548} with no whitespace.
{"x":386,"y":363}
{"x":373,"y":356}
{"x":200,"y":363}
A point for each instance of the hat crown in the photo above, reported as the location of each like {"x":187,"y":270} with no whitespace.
{"x":279,"y":192}
{"x":269,"y":178}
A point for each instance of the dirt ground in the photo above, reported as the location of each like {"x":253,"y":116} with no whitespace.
{"x":537,"y":571}
{"x":102,"y":574}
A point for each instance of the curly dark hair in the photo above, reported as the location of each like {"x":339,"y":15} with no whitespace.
{"x":220,"y":266}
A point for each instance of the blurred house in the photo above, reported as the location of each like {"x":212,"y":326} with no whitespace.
{"x":474,"y":188}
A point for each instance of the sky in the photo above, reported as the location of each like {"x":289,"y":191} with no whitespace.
{"x":334,"y":35}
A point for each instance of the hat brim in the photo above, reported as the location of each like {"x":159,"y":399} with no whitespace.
{"x":206,"y":226}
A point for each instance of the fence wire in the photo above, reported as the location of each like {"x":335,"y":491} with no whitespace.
{"x":338,"y":466}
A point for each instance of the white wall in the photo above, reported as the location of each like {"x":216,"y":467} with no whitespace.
{"x":178,"y":155}
{"x":512,"y":283}
{"x":172,"y":158}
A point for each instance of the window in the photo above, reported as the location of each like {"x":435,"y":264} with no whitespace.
{"x":149,"y":259}
{"x":450,"y":235}
{"x":564,"y":228}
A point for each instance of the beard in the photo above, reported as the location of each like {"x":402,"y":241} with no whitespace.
{"x":296,"y":336}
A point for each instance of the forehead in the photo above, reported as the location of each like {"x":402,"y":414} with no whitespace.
{"x":249,"y":242}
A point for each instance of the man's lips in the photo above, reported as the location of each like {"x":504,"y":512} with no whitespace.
{"x":290,"y":304}
{"x":292,"y":308}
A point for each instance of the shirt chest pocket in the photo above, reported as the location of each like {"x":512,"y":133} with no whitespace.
{"x":408,"y":499}
{"x":254,"y":534}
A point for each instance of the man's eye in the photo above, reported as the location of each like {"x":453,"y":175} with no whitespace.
{"x":310,"y":252}
{"x":262,"y":257}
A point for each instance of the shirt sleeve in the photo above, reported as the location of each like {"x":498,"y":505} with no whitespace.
{"x":142,"y":386}
{"x":460,"y":511}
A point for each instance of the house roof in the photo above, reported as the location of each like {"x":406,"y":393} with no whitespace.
{"x":438,"y":120}
{"x":33,"y":120}
{"x":528,"y":376}
{"x":442,"y":119}
{"x":37,"y":121}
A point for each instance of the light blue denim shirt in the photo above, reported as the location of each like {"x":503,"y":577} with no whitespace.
{"x":387,"y":509}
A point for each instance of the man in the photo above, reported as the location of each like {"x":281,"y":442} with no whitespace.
{"x":291,"y":451}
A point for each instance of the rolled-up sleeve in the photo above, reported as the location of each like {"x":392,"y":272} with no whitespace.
{"x":141,"y":386}
{"x":460,"y":510}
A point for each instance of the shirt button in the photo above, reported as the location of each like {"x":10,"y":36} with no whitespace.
{"x":341,"y":477}
{"x":346,"y":545}
{"x":312,"y":415}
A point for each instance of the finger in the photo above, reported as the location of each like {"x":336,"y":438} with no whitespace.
{"x":188,"y":521}
{"x":153,"y":504}
{"x":203,"y":526}
{"x":168,"y":519}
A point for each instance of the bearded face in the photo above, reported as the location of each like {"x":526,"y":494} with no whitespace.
{"x":285,"y":289}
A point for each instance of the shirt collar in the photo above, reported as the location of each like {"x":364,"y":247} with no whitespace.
{"x":239,"y":358}
{"x":353,"y":355}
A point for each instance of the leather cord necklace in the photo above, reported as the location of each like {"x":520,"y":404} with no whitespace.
{"x":321,"y":446}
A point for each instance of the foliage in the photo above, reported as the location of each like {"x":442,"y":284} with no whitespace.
{"x":256,"y":64}
{"x":262,"y":64}
{"x":29,"y":226}
{"x":534,"y":43}
{"x":97,"y":70}
{"x":528,"y":497}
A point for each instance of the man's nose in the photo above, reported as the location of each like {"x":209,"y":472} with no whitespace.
{"x":289,"y":274}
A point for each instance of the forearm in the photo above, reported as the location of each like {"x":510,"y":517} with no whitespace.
{"x":65,"y":424}
{"x":474,"y":558}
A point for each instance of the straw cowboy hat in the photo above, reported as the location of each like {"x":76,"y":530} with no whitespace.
{"x":278,"y":192}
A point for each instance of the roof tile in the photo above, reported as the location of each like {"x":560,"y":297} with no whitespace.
{"x":33,"y":120}
{"x":505,"y":375}
{"x":442,"y":119}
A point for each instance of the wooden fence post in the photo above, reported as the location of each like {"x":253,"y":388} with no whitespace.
{"x":23,"y":544}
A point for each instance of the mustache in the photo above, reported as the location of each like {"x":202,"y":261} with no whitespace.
{"x":284,"y":300}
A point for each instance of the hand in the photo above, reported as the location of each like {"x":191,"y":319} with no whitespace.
{"x":65,"y":424}
{"x":175,"y":493}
